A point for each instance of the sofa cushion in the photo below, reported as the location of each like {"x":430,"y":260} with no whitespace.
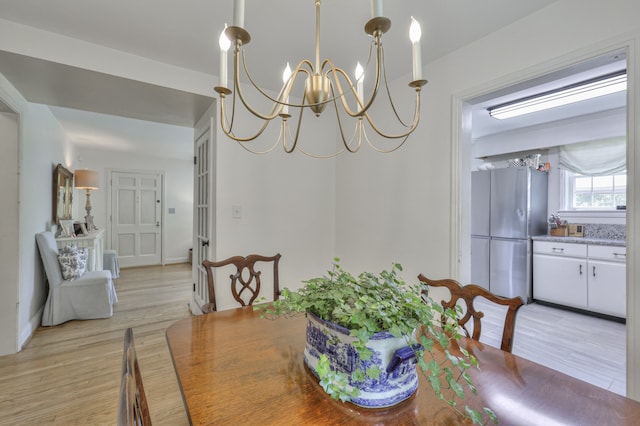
{"x":73,"y":261}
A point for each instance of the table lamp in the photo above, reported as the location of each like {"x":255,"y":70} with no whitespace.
{"x":87,"y":180}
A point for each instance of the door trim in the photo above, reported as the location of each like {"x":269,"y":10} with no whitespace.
{"x":460,"y":200}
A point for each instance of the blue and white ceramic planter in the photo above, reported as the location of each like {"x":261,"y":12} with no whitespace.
{"x":398,"y":379}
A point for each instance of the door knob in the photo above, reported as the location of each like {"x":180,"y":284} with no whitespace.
{"x":205,"y":243}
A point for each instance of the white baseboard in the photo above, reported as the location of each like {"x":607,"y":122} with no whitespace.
{"x":194,"y":307}
{"x":173,"y":260}
{"x":32,"y":325}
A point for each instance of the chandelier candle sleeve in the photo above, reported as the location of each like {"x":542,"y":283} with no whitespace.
{"x":238,"y":13}
{"x":414,"y":35}
{"x":376,"y":8}
{"x":224,"y":43}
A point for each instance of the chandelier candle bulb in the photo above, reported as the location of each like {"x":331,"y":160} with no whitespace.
{"x":376,"y":8}
{"x":286,"y":75}
{"x":414,"y":35}
{"x":224,"y":43}
{"x":360,"y":78}
{"x":238,"y":13}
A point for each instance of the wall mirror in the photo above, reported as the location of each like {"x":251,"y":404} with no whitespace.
{"x":62,"y":193}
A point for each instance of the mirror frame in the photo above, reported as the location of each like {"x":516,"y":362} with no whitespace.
{"x":62,"y":193}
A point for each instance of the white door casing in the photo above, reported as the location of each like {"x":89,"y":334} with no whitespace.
{"x":203,"y":209}
{"x":9,"y":262}
{"x":136,"y":217}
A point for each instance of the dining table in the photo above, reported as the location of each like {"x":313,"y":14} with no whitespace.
{"x":236,"y":368}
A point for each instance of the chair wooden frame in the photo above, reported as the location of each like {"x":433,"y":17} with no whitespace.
{"x":238,"y":283}
{"x":132,"y":406}
{"x":468,"y":293}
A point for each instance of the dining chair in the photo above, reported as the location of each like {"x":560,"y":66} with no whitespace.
{"x":241,"y":281}
{"x":468,"y":293}
{"x":132,"y":406}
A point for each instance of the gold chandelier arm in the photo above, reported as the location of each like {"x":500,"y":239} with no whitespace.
{"x":383,"y":151}
{"x":284,"y":94}
{"x":347,"y":145}
{"x":278,"y":105}
{"x":228,"y":128}
{"x":414,"y":124}
{"x":266,"y":151}
{"x":376,"y":86}
{"x":284,"y":130}
{"x":295,"y":141}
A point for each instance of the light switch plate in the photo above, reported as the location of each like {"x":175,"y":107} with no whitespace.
{"x":236,"y":212}
{"x":576,"y":230}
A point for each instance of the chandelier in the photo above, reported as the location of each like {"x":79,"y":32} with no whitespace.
{"x":325,"y":85}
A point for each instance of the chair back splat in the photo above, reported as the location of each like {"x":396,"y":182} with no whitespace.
{"x":468,"y":293}
{"x":245,"y":286}
{"x":132,"y":405}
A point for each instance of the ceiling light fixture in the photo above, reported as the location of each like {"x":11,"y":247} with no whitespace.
{"x":323,"y":86}
{"x":600,"y":86}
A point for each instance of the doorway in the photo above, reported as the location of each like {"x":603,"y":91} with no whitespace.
{"x":465,"y":160}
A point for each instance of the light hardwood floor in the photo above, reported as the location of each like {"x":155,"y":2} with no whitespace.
{"x":70,"y":374}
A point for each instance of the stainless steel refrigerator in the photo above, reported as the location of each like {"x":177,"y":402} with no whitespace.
{"x":508,"y":207}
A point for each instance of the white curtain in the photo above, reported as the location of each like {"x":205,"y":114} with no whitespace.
{"x":595,"y":158}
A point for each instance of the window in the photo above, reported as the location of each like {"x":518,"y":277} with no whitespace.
{"x":595,"y":192}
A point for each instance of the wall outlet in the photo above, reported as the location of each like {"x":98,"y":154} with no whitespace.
{"x":576,"y":230}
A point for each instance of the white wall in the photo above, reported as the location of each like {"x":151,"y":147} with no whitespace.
{"x":401,"y":207}
{"x":287,"y":203}
{"x":178,"y":183}
{"x":42,"y":144}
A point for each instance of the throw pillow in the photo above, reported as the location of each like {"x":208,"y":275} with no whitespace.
{"x":73,"y":261}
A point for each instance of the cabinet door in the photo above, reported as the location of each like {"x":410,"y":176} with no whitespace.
{"x":560,"y":280}
{"x":607,"y":287}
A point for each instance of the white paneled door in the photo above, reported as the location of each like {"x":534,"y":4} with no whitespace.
{"x":136,"y":217}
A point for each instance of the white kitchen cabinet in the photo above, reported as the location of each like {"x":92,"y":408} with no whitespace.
{"x":558,"y":277}
{"x":590,"y":277}
{"x":606,"y":274}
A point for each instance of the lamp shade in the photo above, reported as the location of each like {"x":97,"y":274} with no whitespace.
{"x":86,"y":179}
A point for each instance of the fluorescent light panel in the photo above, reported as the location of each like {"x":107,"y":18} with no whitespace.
{"x":601,"y":86}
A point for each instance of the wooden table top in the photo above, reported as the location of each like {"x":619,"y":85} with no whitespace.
{"x":235,"y":368}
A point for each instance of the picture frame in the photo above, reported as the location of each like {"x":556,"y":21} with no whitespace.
{"x":80,"y":229}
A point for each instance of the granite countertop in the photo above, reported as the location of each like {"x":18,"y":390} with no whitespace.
{"x":581,"y":240}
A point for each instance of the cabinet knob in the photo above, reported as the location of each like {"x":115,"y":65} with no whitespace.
{"x":594,"y":271}
{"x":580,"y":269}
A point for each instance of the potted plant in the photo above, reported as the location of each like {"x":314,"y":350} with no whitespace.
{"x":347,"y":319}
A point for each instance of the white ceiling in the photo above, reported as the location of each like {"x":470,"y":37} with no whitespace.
{"x":185,"y":34}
